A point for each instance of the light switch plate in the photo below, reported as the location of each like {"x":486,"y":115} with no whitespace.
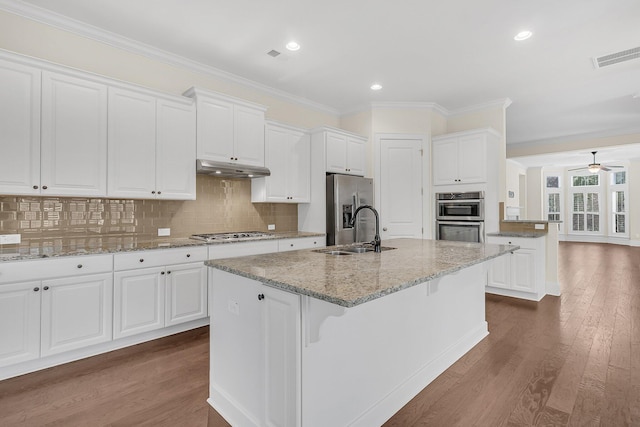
{"x":163,"y":232}
{"x":539,"y":226}
{"x":234,"y":307}
{"x":10,"y":239}
{"x":271,"y":227}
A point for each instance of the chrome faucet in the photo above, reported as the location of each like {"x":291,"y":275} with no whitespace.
{"x":376,"y":240}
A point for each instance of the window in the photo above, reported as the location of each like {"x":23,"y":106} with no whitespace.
{"x":553,"y":195}
{"x":619,"y":204}
{"x":585,"y":215}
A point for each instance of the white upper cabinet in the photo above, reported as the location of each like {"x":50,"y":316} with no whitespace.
{"x":132,"y":144}
{"x":344,"y":153}
{"x":288,"y":157}
{"x":74,"y":136}
{"x":176,"y":150}
{"x":228,"y":129}
{"x":19,"y":129}
{"x":151,"y":146}
{"x":462,"y":158}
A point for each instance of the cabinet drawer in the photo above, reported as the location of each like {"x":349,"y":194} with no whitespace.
{"x":158,"y":257}
{"x":230,"y":250}
{"x":523,"y":242}
{"x":301,"y":243}
{"x":41,"y":269}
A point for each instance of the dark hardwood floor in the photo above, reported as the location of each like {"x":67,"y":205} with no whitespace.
{"x":572,"y":360}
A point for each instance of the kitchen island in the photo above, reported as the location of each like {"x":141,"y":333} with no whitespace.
{"x":308,"y":338}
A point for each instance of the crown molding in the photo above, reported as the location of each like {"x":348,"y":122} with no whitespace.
{"x":408,"y":105}
{"x":62,"y":22}
{"x":497,"y":103}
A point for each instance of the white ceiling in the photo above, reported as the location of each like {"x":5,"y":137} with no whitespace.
{"x":613,"y":155}
{"x":454,"y":53}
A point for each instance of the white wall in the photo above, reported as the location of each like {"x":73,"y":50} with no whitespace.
{"x":535,"y":207}
{"x":514,"y":170}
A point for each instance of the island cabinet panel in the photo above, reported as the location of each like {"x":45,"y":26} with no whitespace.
{"x":255,"y":373}
{"x":520,"y":274}
{"x":284,"y":359}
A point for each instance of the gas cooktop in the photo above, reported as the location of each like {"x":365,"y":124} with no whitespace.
{"x":244,"y":235}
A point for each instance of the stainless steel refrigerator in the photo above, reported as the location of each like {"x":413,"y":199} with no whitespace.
{"x":345,"y":193}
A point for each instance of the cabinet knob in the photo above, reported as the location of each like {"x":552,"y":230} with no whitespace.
{"x":384,"y":228}
{"x":153,"y":192}
{"x":44,"y":187}
{"x":260,"y":297}
{"x":235,"y":158}
{"x":79,"y":265}
{"x":141,"y":259}
{"x":169,"y":272}
{"x":292,"y":245}
{"x":188,"y":255}
{"x":35,"y":187}
{"x":162,"y":273}
{"x":159,"y":192}
{"x":46,"y":288}
{"x":36,"y":289}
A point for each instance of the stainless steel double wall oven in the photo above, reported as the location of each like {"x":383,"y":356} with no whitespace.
{"x":460,"y":216}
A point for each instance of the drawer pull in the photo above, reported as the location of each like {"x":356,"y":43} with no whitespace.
{"x":79,"y":265}
{"x":188,"y":255}
{"x":260,"y":297}
{"x":141,"y":259}
{"x":36,"y":289}
{"x":292,"y":245}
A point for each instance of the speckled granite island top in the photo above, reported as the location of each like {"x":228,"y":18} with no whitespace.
{"x":349,"y":280}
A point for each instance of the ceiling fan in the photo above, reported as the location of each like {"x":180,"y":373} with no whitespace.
{"x":596,"y":167}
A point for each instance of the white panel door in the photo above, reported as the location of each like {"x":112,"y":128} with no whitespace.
{"x":336,"y":146}
{"x":472,"y":164}
{"x":138,"y":301}
{"x":277,"y":159}
{"x":176,"y":151}
{"x":523,"y":270}
{"x":355,"y":156}
{"x":248,"y":130}
{"x":499,"y":274}
{"x":19,"y":322}
{"x":76,"y":312}
{"x":186,"y":293}
{"x":214,"y":129}
{"x":400,"y":188}
{"x":282,"y":360}
{"x":74,"y":136}
{"x":19,"y":129}
{"x":132,"y":144}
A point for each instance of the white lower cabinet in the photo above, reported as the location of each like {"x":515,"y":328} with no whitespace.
{"x":152,"y":290}
{"x":262,"y":369}
{"x":41,"y":316}
{"x":521,"y":273}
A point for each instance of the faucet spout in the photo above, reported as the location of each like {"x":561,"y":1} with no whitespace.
{"x":376,"y":240}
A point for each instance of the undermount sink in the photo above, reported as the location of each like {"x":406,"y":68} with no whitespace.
{"x":348,"y":250}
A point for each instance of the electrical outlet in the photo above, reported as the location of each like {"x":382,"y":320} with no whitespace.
{"x":539,"y":226}
{"x":163,"y":232}
{"x":10,"y":239}
{"x":271,"y":227}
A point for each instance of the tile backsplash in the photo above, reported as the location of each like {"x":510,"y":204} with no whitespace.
{"x":221,"y":205}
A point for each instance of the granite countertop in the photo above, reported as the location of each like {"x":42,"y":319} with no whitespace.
{"x":529,"y":234}
{"x":94,"y":245}
{"x":349,"y":280}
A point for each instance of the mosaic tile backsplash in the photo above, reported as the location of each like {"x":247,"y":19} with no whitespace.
{"x":221,"y":205}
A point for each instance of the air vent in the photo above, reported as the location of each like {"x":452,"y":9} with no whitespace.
{"x":615,"y":58}
{"x":273,"y":53}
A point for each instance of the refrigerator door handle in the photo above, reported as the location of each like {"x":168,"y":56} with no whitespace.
{"x":356,"y":205}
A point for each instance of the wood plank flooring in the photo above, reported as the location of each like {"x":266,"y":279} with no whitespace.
{"x":572,"y":360}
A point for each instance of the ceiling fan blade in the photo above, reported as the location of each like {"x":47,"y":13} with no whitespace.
{"x":604,"y":168}
{"x":577,"y":169}
{"x":612,"y":166}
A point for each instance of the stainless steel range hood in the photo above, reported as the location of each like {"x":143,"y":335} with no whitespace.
{"x":230,"y":170}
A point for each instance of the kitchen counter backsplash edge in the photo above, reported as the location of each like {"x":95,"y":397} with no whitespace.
{"x":97,"y":245}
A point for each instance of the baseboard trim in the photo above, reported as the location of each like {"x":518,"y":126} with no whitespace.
{"x":553,"y":288}
{"x":514,"y":294}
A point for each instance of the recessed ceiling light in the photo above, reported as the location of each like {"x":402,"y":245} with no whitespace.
{"x":293,"y":46}
{"x":376,"y":86}
{"x":523,"y":35}
{"x":636,"y":96}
